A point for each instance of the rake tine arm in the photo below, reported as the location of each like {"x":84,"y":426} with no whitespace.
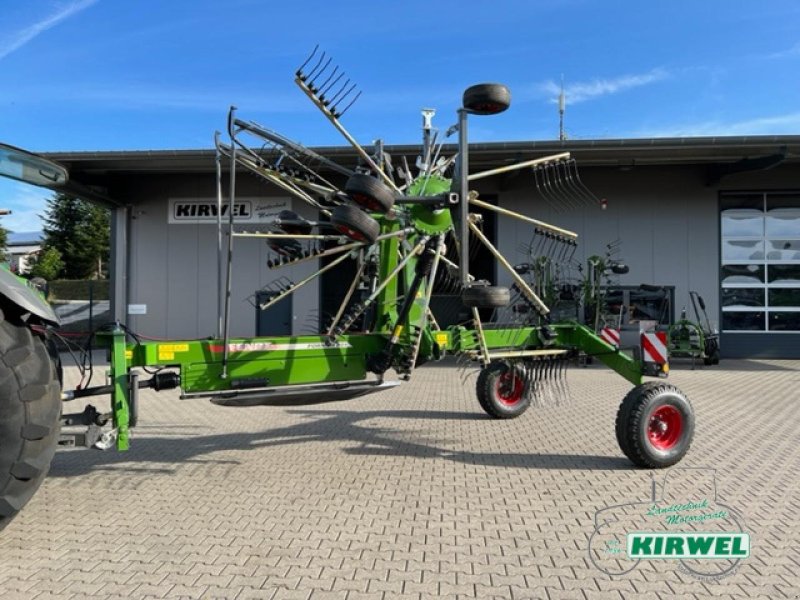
{"x":299,"y":71}
{"x":346,"y":108}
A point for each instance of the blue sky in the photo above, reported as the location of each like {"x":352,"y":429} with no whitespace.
{"x":145,"y":74}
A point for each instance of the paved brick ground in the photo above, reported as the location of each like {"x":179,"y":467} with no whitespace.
{"x":410,"y":493}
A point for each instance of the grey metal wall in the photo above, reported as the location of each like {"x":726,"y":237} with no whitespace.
{"x":668,"y":221}
{"x":173,"y":268}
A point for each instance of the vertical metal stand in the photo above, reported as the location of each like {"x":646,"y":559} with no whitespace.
{"x":463,"y":196}
{"x":228,"y":276}
{"x":218,"y":161}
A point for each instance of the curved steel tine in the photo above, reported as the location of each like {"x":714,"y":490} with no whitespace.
{"x":589,"y":192}
{"x":299,"y":71}
{"x":346,"y":108}
{"x":311,"y":73}
{"x":319,"y":73}
{"x":342,"y":98}
{"x":554,"y":177}
{"x":557,"y":203}
{"x":580,"y":194}
{"x":333,"y":73}
{"x":565,"y":200}
{"x":539,"y":187}
{"x":329,"y":87}
{"x":341,"y":89}
{"x":567,"y":189}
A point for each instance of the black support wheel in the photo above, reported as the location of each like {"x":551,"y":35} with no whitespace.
{"x":485,"y":296}
{"x":502,"y":392}
{"x":370,"y":193}
{"x":655,"y":425}
{"x":355,"y":223}
{"x":30,"y":410}
{"x":487,"y":98}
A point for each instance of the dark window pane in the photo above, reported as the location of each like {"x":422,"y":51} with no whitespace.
{"x":734,"y":201}
{"x":784,"y":297}
{"x":784,"y":321}
{"x":742,"y":250}
{"x":742,"y":274}
{"x":743,"y":321}
{"x":743,"y":297}
{"x":784,"y":273}
{"x":783,"y":201}
{"x":784,"y":249}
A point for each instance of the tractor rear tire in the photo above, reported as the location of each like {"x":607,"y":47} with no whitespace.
{"x":501,"y":391}
{"x":485,"y":296}
{"x":30,"y":411}
{"x":487,"y":98}
{"x":355,"y":223}
{"x":655,"y":425}
{"x":369,"y":193}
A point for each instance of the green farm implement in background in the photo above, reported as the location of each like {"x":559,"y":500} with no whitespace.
{"x":697,"y":339}
{"x":409,"y":235}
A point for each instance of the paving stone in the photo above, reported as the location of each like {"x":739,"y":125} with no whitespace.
{"x":410,"y":493}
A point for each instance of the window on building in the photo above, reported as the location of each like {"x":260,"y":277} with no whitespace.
{"x":760,"y":256}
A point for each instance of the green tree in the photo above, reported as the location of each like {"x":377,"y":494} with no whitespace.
{"x":47,"y":264}
{"x":81,"y":233}
{"x":3,"y":242}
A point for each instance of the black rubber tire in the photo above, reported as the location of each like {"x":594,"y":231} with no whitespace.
{"x":369,"y":193}
{"x":355,"y":223}
{"x":30,"y":410}
{"x":633,"y":421}
{"x":303,"y":227}
{"x":485,"y":296}
{"x":487,"y":98}
{"x":489,"y":388}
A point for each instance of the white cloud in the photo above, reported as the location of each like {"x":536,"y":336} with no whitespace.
{"x":18,"y":39}
{"x":589,"y":90}
{"x":776,"y":124}
{"x":788,"y":53}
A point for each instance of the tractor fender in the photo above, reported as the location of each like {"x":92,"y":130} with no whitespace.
{"x":22,"y":294}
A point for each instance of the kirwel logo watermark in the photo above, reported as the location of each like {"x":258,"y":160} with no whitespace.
{"x":683,"y":521}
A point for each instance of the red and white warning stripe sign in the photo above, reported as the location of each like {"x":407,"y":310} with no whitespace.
{"x":654,"y":347}
{"x":610,"y":336}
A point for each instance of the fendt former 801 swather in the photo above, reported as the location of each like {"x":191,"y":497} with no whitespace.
{"x":408,"y":236}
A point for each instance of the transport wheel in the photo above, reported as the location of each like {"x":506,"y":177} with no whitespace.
{"x":655,"y":425}
{"x":485,"y":296}
{"x":30,"y":409}
{"x":355,"y":223}
{"x":369,"y":193}
{"x":501,"y":391}
{"x":487,"y":98}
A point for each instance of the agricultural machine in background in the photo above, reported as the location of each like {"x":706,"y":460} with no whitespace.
{"x":697,"y":339}
{"x":409,"y":234}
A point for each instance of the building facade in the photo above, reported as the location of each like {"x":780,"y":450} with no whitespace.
{"x":720,"y":216}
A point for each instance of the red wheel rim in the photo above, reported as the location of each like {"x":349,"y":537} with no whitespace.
{"x":351,"y":233}
{"x":365,"y":201}
{"x":665,"y":427}
{"x":509,"y":387}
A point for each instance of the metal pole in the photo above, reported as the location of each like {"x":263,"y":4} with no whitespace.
{"x":463,"y":192}
{"x":229,"y":273}
{"x":218,"y":160}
